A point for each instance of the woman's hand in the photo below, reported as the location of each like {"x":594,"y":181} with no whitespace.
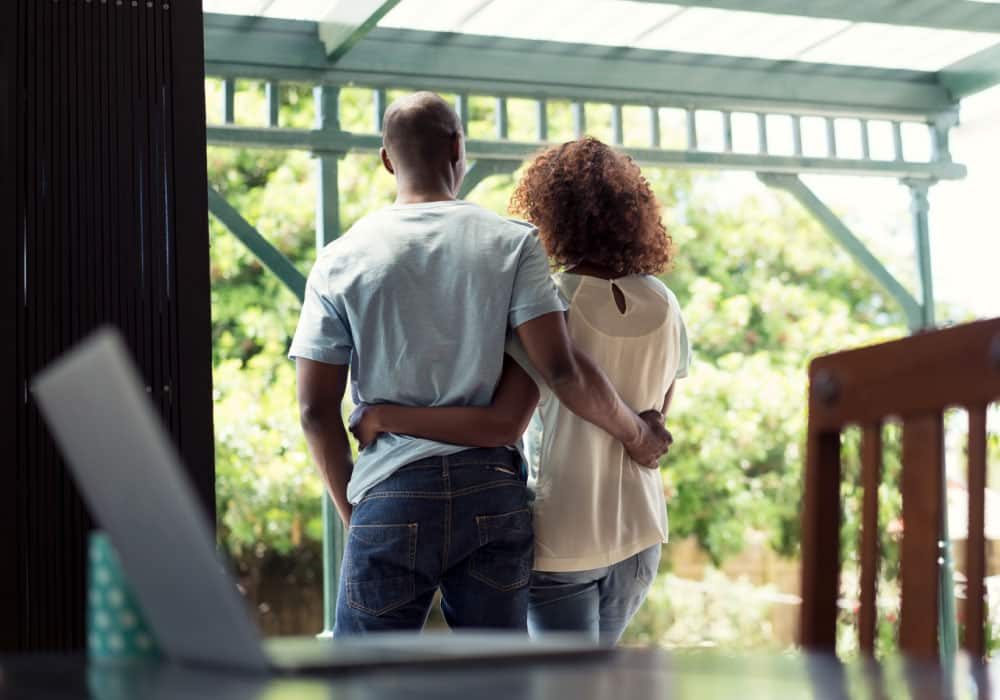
{"x":364,"y":425}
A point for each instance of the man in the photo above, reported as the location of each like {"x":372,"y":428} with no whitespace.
{"x":417,"y":298}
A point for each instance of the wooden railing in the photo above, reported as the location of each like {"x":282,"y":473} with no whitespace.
{"x":914,"y":380}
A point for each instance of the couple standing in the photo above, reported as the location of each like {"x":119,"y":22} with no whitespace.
{"x":454,"y":331}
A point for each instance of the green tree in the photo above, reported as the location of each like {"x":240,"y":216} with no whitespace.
{"x":763,"y":290}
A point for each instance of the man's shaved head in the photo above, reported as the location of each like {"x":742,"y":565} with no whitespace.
{"x":418,"y":132}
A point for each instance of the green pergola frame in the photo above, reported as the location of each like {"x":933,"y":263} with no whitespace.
{"x":330,"y":55}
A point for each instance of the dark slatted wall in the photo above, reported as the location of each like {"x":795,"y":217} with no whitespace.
{"x":103,"y":220}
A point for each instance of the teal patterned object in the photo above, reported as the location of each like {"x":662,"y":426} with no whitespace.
{"x":116,"y":628}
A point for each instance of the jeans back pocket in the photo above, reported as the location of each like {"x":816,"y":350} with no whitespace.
{"x":506,"y":548}
{"x":647,"y":563}
{"x":379,"y":567}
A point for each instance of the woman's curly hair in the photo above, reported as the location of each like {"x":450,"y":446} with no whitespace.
{"x":592,"y":204}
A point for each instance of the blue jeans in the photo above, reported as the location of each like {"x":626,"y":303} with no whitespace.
{"x":598,"y":602}
{"x":460,"y":523}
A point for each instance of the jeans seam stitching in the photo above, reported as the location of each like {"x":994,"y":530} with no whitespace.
{"x":412,"y":555}
{"x":483,"y":541}
{"x":561,"y":598}
{"x":486,"y":487}
{"x":447,"y":516}
{"x":497,"y":585}
{"x":450,"y":494}
{"x":435,"y":495}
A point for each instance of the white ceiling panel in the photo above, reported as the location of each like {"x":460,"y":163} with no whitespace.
{"x":885,"y":46}
{"x":751,"y":34}
{"x":441,"y":17}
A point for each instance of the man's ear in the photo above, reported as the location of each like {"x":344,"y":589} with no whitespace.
{"x":386,"y":163}
{"x":457,"y":147}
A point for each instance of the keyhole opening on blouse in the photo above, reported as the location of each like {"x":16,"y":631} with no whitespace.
{"x":619,"y":298}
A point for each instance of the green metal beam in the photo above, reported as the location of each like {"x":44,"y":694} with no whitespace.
{"x":264,"y":251}
{"x":973,"y":74}
{"x":851,"y":243}
{"x":327,"y":168}
{"x":481,"y":169}
{"x":349,"y":22}
{"x":476,"y":149}
{"x":327,"y":101}
{"x":963,"y":15}
{"x":919,"y":209}
{"x":273,"y":49}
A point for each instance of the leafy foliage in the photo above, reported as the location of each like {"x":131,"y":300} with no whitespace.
{"x":763,"y":290}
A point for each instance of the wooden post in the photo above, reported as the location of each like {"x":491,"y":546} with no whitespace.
{"x":871,"y":477}
{"x":922,"y":486}
{"x":821,"y":541}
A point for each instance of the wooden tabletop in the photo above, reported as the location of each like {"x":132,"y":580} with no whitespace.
{"x":630,"y":673}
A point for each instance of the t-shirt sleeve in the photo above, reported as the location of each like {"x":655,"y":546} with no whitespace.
{"x":684,"y":363}
{"x":534,"y":292}
{"x":515,"y":349}
{"x":322,"y":334}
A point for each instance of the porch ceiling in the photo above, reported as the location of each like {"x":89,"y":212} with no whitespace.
{"x":890,"y":58}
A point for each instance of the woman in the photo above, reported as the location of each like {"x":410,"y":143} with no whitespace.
{"x":599,"y":518}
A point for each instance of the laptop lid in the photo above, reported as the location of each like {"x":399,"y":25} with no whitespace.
{"x":130,"y":477}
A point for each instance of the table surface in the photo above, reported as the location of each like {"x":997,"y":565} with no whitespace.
{"x":629,"y":673}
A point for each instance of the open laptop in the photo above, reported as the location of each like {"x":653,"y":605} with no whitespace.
{"x":131,"y":478}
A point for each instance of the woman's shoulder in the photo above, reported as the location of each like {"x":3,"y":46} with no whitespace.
{"x":567,"y":283}
{"x":659,"y":286}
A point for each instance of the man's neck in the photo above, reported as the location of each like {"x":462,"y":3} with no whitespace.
{"x":411,"y":197}
{"x":420,"y":188}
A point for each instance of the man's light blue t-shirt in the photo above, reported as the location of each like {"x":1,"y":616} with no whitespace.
{"x":418,"y":299}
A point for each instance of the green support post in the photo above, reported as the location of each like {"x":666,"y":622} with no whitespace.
{"x":501,"y":105}
{"x":579,"y":119}
{"x":379,"y":105}
{"x":327,"y":209}
{"x":654,"y":127}
{"x":462,"y":107}
{"x":327,"y":229}
{"x":541,"y":121}
{"x":919,"y":208}
{"x":228,"y":100}
{"x":273,"y":94}
{"x":617,"y":128}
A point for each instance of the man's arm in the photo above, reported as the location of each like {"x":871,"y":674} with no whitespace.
{"x":668,"y":399}
{"x":321,"y":392}
{"x":499,"y":424}
{"x":584,"y":389}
